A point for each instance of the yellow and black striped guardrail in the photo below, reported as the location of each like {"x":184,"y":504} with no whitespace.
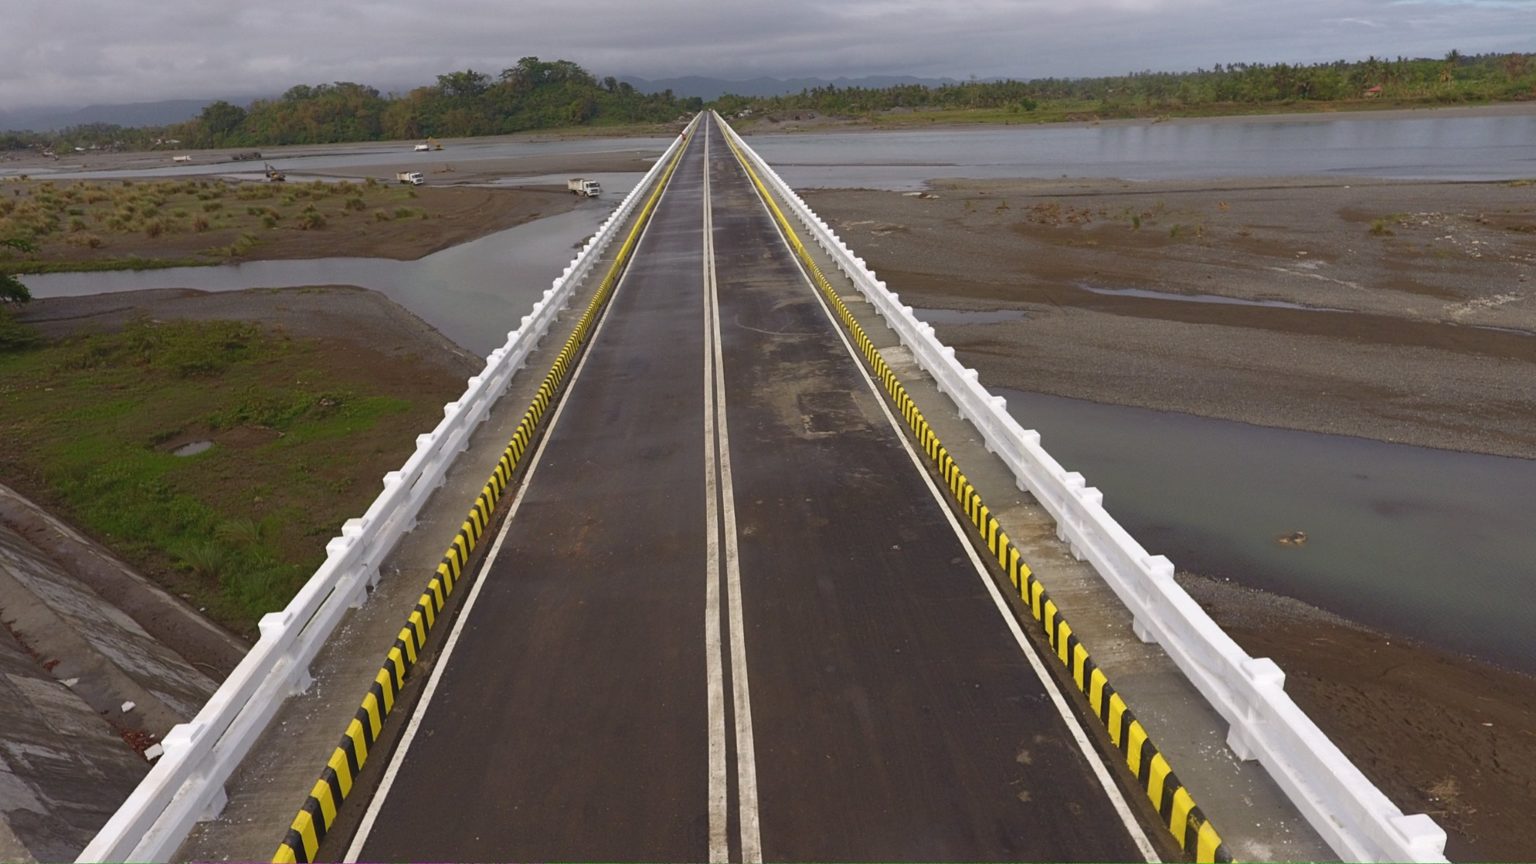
{"x":318,"y":812}
{"x":1177,"y":810}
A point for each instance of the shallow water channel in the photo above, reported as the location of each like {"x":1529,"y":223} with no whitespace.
{"x":1444,"y":147}
{"x":1431,"y":543}
{"x":473,"y":293}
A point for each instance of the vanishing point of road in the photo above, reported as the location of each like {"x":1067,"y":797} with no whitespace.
{"x":728,"y":615}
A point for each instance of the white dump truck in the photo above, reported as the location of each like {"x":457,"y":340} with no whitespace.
{"x":412,"y":177}
{"x":584,"y":187}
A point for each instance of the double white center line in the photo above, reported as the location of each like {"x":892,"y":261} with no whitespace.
{"x":721,"y":507}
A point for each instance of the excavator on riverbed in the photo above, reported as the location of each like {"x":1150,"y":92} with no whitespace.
{"x":273,"y":175}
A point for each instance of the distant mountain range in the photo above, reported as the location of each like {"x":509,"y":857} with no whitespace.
{"x":165,"y":112}
{"x":714,"y":88}
{"x":137,"y":114}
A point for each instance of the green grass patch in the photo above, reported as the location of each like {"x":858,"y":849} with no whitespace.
{"x":141,"y":225}
{"x":102,"y":265}
{"x":1382,"y":227}
{"x":91,"y":424}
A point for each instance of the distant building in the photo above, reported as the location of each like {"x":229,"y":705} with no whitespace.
{"x":1373,"y":91}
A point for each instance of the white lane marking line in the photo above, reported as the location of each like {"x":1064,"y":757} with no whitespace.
{"x":746,"y":753}
{"x":719,"y":803}
{"x":381,"y":794}
{"x":1095,"y":761}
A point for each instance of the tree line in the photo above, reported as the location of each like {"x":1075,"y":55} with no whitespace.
{"x":535,"y":94}
{"x":1456,"y":78}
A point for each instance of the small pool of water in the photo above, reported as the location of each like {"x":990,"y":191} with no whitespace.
{"x":1202,"y":298}
{"x":1430,"y":543}
{"x":193,"y":448}
{"x":969,"y":316}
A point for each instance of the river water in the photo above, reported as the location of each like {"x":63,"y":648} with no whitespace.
{"x":1424,"y":148}
{"x":1436,"y":544}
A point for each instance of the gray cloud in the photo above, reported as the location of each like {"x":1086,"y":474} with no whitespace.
{"x":80,"y":51}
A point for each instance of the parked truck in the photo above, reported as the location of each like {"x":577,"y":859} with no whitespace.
{"x":584,"y":187}
{"x":412,"y":177}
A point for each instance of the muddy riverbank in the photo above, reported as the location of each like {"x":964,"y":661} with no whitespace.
{"x":1411,"y":311}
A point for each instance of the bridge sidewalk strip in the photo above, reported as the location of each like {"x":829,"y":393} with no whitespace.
{"x":1176,"y":808}
{"x":319,"y":811}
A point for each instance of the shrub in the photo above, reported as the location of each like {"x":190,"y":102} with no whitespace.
{"x":213,"y":207}
{"x":206,"y":559}
{"x":311,"y":219}
{"x":356,"y":203}
{"x":241,"y":532}
{"x":14,"y":336}
{"x":154,"y":228}
{"x":200,"y":224}
{"x":381,"y":216}
{"x":1383,"y":227}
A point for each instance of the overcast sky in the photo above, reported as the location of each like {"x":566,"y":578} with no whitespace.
{"x":75,"y":52}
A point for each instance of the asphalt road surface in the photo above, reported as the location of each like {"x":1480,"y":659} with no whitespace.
{"x":728,"y":619}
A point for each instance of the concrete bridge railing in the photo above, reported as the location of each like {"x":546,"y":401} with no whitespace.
{"x":186,"y":784}
{"x":1347,"y":810}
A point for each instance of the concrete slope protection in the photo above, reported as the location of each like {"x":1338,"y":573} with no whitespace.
{"x":726,"y":618}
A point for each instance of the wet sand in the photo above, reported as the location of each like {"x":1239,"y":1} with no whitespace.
{"x":1418,"y":325}
{"x":360,"y":319}
{"x":1421,"y":318}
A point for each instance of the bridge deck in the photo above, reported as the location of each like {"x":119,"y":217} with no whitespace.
{"x":727,"y":617}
